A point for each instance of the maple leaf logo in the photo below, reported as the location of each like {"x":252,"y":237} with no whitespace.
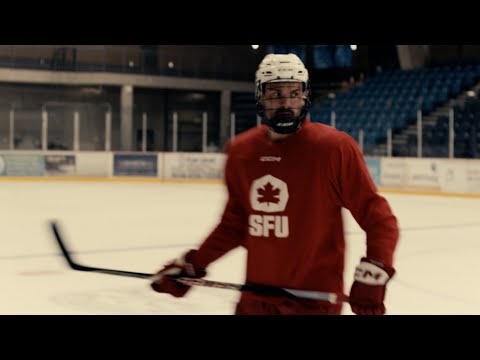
{"x":268,"y":194}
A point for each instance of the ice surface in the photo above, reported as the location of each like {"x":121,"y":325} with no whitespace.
{"x":140,"y":226}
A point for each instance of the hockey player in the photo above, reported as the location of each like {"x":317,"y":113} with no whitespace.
{"x":287,"y":182}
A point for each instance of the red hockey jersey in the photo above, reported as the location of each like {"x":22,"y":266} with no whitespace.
{"x":284,"y":206}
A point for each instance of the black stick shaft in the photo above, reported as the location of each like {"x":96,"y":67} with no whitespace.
{"x":259,"y":289}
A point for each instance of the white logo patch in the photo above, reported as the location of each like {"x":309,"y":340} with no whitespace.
{"x":269,"y":194}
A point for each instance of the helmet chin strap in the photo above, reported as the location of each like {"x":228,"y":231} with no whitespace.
{"x":284,"y":125}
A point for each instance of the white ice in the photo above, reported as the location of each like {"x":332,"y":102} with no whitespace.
{"x":140,"y":226}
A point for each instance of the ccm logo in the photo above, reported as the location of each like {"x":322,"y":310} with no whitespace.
{"x":371,"y":274}
{"x":270,"y":158}
{"x":367,"y":274}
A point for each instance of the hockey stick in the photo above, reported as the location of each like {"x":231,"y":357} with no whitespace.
{"x":258,"y":289}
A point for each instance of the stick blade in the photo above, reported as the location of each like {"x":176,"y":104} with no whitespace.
{"x":61,"y":244}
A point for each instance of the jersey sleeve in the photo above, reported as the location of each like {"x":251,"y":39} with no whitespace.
{"x":231,"y":230}
{"x":355,"y":190}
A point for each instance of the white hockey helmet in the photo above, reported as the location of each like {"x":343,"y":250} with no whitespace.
{"x":281,"y":68}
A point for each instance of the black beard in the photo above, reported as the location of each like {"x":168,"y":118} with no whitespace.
{"x":283,"y":114}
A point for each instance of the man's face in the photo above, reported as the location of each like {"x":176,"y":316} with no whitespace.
{"x":283,"y":99}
